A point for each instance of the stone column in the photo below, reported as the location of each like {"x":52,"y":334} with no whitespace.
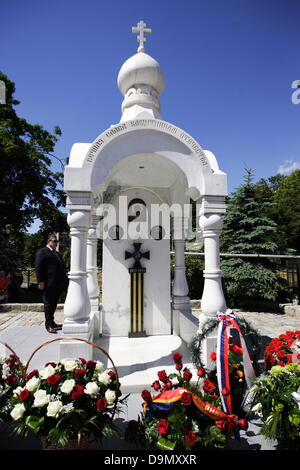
{"x":77,"y":308}
{"x":92,"y":275}
{"x":213,"y":300}
{"x":181,"y":300}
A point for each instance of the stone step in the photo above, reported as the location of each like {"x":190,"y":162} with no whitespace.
{"x":18,"y":307}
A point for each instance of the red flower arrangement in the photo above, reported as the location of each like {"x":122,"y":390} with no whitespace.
{"x":178,"y":417}
{"x":283,"y":350}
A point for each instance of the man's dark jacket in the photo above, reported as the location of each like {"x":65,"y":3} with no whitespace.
{"x":50,"y":269}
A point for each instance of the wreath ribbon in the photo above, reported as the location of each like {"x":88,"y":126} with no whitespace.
{"x":226,"y":322}
{"x":167,"y":399}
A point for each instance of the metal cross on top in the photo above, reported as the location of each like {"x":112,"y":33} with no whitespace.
{"x":137,"y":255}
{"x":141,"y":29}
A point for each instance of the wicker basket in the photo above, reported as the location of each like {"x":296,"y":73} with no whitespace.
{"x":73,"y":444}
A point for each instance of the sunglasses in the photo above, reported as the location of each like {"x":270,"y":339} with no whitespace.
{"x":55,"y":241}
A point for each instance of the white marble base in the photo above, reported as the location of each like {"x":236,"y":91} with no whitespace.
{"x":209,"y":345}
{"x":182,"y":303}
{"x":73,"y":348}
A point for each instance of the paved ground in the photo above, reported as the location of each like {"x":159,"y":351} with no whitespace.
{"x":24,"y":331}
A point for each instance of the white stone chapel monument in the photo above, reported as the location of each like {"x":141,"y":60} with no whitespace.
{"x":132,"y":187}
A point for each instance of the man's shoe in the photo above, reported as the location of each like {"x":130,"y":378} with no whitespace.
{"x":51,"y":330}
{"x":57,"y":326}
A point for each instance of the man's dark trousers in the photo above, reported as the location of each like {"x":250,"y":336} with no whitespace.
{"x":50,"y":298}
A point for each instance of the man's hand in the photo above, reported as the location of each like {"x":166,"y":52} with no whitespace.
{"x":41,"y":285}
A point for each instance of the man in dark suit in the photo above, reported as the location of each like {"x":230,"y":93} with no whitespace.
{"x":51,"y":279}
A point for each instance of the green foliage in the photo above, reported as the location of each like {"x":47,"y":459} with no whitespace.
{"x":194,"y":273}
{"x":287,"y":211}
{"x":248,"y":230}
{"x":29,"y":188}
{"x":273,"y":401}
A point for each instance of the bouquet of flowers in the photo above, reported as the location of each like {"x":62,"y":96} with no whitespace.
{"x":65,"y":401}
{"x":283,"y":350}
{"x":183,"y":415}
{"x":10,"y":378}
{"x":276,"y":400}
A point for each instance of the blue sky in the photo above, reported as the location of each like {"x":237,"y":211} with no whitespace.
{"x":229,"y":66}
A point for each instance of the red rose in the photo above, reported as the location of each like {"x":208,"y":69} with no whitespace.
{"x":201,"y":372}
{"x":213,"y":356}
{"x":177,"y":357}
{"x":168,"y":384}
{"x":208,"y":386}
{"x":79,"y":373}
{"x":236,"y":349}
{"x":77,"y":392}
{"x":90,"y":364}
{"x":112,"y":374}
{"x":82,"y":360}
{"x":10,"y":380}
{"x":12,"y":362}
{"x":187,"y":375}
{"x":146,"y":396}
{"x":186,"y":398}
{"x":162,"y":375}
{"x":156,"y":385}
{"x":178,"y":366}
{"x":225,"y":391}
{"x":243,"y":424}
{"x":53,"y":379}
{"x":33,"y":373}
{"x":222,"y":425}
{"x":190,"y":438}
{"x":163,"y":426}
{"x":24,"y":395}
{"x":53,"y":364}
{"x":101,"y":404}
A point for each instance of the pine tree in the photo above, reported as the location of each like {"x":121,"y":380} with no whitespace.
{"x":248,"y":230}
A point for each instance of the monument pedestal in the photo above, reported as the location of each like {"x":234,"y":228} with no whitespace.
{"x":73,"y":348}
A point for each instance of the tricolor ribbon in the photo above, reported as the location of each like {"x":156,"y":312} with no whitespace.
{"x":167,"y":399}
{"x":228,"y":320}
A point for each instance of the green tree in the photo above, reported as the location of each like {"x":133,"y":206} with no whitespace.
{"x":29,"y":189}
{"x":248,"y":230}
{"x":287,"y":211}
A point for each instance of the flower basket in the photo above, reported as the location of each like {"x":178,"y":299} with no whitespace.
{"x":12,"y":373}
{"x":73,"y":444}
{"x":276,"y":400}
{"x":65,"y":402}
{"x":283,"y":350}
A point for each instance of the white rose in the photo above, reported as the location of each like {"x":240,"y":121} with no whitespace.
{"x":5,"y":371}
{"x":54,"y":408}
{"x":32,"y":384}
{"x":67,"y":386}
{"x":99,"y":366}
{"x":46,"y":372}
{"x":41,"y":398}
{"x":110,"y":396}
{"x":257,"y":407}
{"x":17,"y":391}
{"x":104,"y":378}
{"x":69,"y":364}
{"x":18,"y":411}
{"x":91,"y":388}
